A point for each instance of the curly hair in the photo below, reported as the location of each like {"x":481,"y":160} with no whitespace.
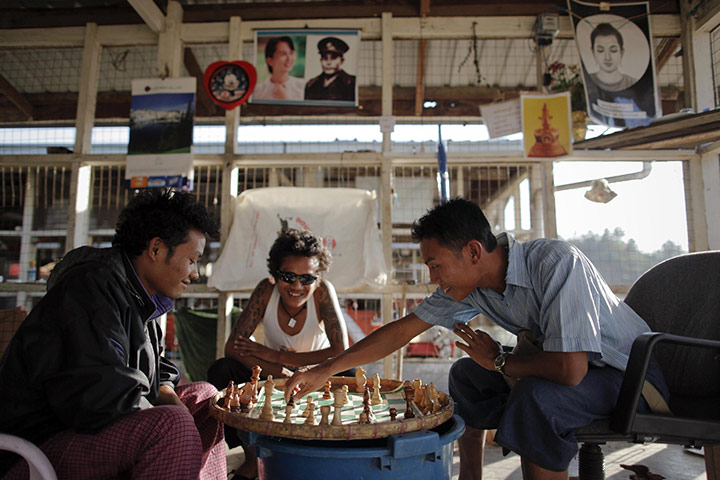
{"x":297,"y":243}
{"x":166,"y":213}
{"x":453,"y":224}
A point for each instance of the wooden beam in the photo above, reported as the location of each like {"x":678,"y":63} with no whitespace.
{"x":209,"y":108}
{"x":150,"y":13}
{"x":420,"y":81}
{"x":16,"y":98}
{"x":665,"y":50}
{"x":682,"y":132}
{"x":451,"y":102}
{"x":402,"y":28}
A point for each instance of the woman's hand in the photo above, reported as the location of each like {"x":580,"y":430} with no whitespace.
{"x":479,"y":345}
{"x":246,"y":347}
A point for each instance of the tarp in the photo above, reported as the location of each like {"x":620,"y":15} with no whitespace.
{"x":345,"y":218}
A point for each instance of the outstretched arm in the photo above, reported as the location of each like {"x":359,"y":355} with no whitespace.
{"x":375,"y":346}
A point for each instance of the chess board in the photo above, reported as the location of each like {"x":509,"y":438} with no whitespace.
{"x":391,"y":393}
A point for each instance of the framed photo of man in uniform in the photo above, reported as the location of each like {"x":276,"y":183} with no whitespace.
{"x":307,"y":67}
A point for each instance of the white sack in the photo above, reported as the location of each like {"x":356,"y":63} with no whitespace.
{"x":344,"y":217}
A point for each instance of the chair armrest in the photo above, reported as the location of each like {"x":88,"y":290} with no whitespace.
{"x":634,"y":377}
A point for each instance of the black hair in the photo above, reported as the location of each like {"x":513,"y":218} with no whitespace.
{"x":165,"y":213}
{"x":297,"y":243}
{"x":605,"y":30}
{"x":272,"y":46}
{"x":453,"y":224}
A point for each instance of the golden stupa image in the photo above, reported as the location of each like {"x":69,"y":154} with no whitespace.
{"x":546,"y":138}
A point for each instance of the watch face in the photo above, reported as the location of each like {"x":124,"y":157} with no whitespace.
{"x":229,"y":84}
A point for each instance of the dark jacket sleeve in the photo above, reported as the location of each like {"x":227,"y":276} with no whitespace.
{"x":84,"y":370}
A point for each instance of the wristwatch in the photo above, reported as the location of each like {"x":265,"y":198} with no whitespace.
{"x":500,"y":362}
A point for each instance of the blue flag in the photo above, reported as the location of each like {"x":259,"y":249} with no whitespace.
{"x":443,"y":179}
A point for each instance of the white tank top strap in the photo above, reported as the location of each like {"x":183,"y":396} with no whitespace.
{"x":312,"y":336}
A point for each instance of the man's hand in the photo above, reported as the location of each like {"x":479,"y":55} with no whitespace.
{"x":308,"y":380}
{"x":167,"y":396}
{"x":246,"y":347}
{"x":479,"y":345}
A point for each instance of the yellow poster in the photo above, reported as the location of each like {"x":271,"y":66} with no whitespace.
{"x":546,"y":125}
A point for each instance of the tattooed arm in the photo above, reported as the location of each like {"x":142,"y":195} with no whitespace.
{"x":249,"y":319}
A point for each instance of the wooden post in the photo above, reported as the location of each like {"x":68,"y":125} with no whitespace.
{"x":229,"y":189}
{"x":386,"y":176}
{"x":77,"y":228}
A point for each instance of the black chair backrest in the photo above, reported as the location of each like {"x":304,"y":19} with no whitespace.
{"x":682,"y":296}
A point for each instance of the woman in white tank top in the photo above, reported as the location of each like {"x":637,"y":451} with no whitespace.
{"x":301,"y":318}
{"x":300,"y":313}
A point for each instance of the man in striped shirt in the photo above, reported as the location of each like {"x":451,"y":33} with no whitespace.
{"x":545,"y":288}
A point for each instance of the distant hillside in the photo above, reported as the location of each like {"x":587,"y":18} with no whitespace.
{"x":619,"y":261}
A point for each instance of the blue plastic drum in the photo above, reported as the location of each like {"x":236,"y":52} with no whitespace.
{"x":425,"y":454}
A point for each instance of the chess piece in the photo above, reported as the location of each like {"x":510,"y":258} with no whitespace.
{"x":235,"y":402}
{"x":291,"y":401}
{"x":376,"y":398}
{"x":393,"y":414}
{"x":245,"y":397}
{"x":409,"y":395}
{"x":421,"y":403}
{"x":307,"y":406}
{"x":362,"y":418}
{"x":345,"y":394}
{"x":360,"y":380}
{"x":228,"y":393}
{"x":417,"y":383}
{"x":338,"y":404}
{"x":366,"y":405}
{"x":434,"y":394}
{"x":429,"y":405}
{"x":311,"y":414}
{"x":288,"y":413}
{"x":326,"y":390}
{"x":267,"y":411}
{"x":254,"y":381}
{"x":325,"y":415}
{"x":269,"y":387}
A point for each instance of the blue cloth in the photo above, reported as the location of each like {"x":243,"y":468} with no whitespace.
{"x":537,"y":417}
{"x":553,"y":290}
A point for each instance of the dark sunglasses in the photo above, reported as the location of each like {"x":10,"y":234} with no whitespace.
{"x":290,"y":277}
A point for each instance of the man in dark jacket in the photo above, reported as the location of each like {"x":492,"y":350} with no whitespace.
{"x":82,"y":372}
{"x":334,"y":83}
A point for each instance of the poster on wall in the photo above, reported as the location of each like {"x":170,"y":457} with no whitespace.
{"x":546,"y":125}
{"x":162,"y":113}
{"x":618,"y":64}
{"x":307,"y":67}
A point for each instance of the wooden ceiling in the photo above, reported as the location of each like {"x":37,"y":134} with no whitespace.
{"x":59,"y":13}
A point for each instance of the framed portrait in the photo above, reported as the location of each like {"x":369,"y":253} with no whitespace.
{"x":618,"y":64}
{"x":307,"y":67}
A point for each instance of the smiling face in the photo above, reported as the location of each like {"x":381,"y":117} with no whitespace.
{"x":295,"y":295}
{"x":282,"y":60}
{"x":331,"y":62}
{"x":608,"y":53}
{"x":452,"y":271}
{"x":170,"y":275}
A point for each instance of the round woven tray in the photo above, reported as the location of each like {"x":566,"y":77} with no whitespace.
{"x":347,"y":431}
